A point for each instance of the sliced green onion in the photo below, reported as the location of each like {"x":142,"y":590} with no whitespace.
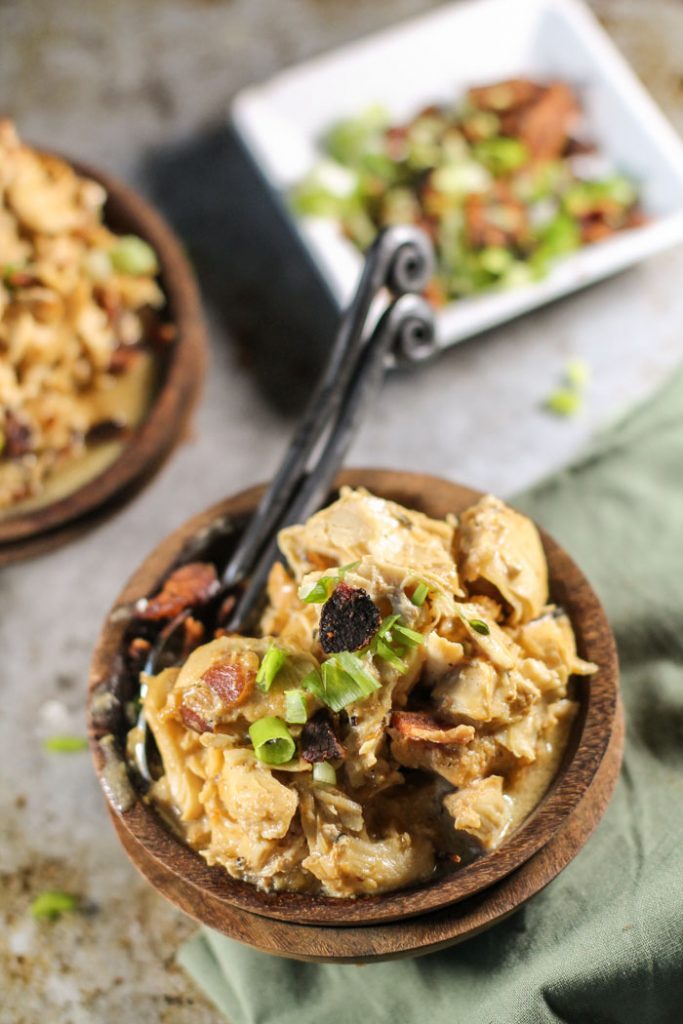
{"x":409,"y":636}
{"x":420,"y":594}
{"x":479,"y":626}
{"x":342,"y":680}
{"x":321,"y":590}
{"x":52,"y":903}
{"x":564,"y":402}
{"x":296,"y":707}
{"x":272,"y":740}
{"x":384,"y":651}
{"x":273,"y":660}
{"x":391,"y":641}
{"x":318,"y":593}
{"x":577,"y":373}
{"x":65,"y":744}
{"x":324,"y":772}
{"x":132,"y":255}
{"x":501,"y":155}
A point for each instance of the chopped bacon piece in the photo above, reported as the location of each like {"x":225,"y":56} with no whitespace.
{"x":233,"y":679}
{"x":190,"y":585}
{"x":123,"y":358}
{"x":545,"y":124}
{"x":193,"y":631}
{"x":318,"y":741}
{"x":503,"y":96}
{"x":349,"y":619}
{"x":107,"y":430}
{"x":495,"y":218}
{"x":18,"y":440}
{"x":421,"y":726}
{"x":21,"y":279}
{"x":193,"y":720}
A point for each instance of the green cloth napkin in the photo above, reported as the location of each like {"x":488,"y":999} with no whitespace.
{"x":604,"y":942}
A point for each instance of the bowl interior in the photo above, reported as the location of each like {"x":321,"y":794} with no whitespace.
{"x":179,"y":372}
{"x":211,"y":535}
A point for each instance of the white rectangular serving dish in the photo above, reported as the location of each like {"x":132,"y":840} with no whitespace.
{"x":436,"y":57}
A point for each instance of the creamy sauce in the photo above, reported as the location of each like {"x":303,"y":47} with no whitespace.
{"x":130,"y":399}
{"x":533,"y":782}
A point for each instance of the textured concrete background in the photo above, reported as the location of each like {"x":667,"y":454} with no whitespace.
{"x":141,"y":87}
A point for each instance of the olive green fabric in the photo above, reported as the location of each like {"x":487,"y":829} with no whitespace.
{"x":604,"y":941}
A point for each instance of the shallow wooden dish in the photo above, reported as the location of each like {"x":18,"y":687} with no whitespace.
{"x":181,"y":368}
{"x":209,"y":893}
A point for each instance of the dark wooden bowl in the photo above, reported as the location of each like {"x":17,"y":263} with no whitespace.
{"x":181,"y":367}
{"x":210,"y":893}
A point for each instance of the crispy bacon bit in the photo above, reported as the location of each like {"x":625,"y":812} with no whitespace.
{"x":232,"y":680}
{"x":349,"y":619}
{"x":18,"y":439}
{"x":164,"y":334}
{"x":495,"y":218}
{"x":191,"y":719}
{"x":107,"y":430}
{"x":421,"y":726}
{"x":545,"y":124}
{"x":192,"y":584}
{"x":123,"y":358}
{"x":226,"y":609}
{"x":318,"y":741}
{"x":503,"y":96}
{"x":137,"y":652}
{"x":193,"y":634}
{"x":21,"y":279}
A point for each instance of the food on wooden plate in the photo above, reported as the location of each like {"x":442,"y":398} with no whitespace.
{"x":502,"y":181}
{"x":77,"y":324}
{"x":404,"y":706}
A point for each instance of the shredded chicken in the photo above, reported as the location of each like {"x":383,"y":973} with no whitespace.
{"x":73,"y":318}
{"x":424,"y":747}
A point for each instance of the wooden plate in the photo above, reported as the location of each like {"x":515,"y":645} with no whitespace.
{"x":181,"y":371}
{"x":187,"y":880}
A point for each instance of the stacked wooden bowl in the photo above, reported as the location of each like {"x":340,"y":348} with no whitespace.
{"x":406,"y":923}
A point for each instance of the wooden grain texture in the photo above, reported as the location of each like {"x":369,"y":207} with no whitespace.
{"x":182,"y":369}
{"x":187,"y":880}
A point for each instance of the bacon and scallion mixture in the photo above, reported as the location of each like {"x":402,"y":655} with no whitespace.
{"x":403,"y":708}
{"x":77,"y":324}
{"x":504,"y":182}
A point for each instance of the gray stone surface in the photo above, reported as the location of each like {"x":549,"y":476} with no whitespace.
{"x":141,"y":87}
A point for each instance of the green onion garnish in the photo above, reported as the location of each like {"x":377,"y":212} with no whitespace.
{"x":65,"y":744}
{"x":479,"y":626}
{"x":419,"y":595}
{"x":577,"y":373}
{"x":564,"y":402}
{"x":392,"y":641}
{"x":342,"y":680}
{"x":53,"y":903}
{"x":132,"y":255}
{"x":409,"y":636}
{"x":272,"y":740}
{"x":273,"y":660}
{"x":324,"y":772}
{"x":322,"y":589}
{"x":296,"y":707}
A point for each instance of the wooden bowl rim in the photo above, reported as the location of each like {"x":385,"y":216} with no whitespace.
{"x":163,"y":425}
{"x":599,"y":701}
